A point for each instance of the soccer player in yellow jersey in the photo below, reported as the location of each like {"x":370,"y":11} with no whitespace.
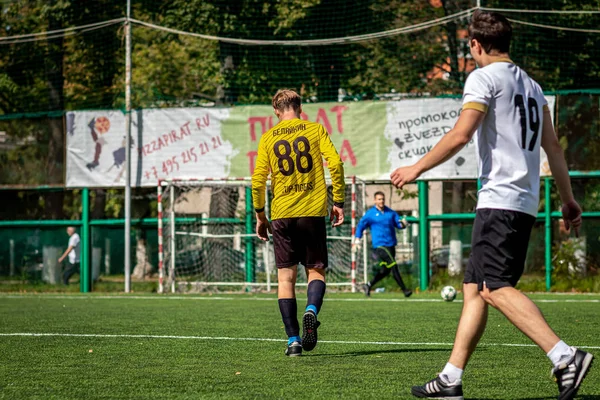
{"x":293,"y":152}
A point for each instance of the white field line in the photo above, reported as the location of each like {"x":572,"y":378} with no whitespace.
{"x":386,"y":343}
{"x":565,"y":293}
{"x":167,"y":297}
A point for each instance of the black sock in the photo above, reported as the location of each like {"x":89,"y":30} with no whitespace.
{"x":398,"y":278}
{"x":289,"y":315}
{"x":315,"y":293}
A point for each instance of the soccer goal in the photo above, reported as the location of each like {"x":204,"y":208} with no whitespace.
{"x":207,"y":240}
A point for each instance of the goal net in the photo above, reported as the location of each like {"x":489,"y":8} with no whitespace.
{"x":207,"y":240}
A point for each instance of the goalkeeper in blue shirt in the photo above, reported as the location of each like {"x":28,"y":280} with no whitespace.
{"x":383,"y":222}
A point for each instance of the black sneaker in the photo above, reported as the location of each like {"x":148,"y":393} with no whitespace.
{"x":294,"y":349}
{"x":367,"y":290}
{"x":438,"y":389}
{"x":570,"y":375}
{"x":309,"y":330}
{"x":407,"y":293}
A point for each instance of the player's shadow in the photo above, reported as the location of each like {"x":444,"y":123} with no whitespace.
{"x":371,"y":352}
{"x":579,"y":397}
{"x":517,"y":398}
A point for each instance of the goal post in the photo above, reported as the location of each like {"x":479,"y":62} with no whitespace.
{"x":207,"y":239}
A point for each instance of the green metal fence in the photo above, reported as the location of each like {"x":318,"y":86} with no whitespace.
{"x":547,"y":216}
{"x":112,"y":228}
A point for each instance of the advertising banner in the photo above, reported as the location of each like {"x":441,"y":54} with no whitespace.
{"x":372,"y":138}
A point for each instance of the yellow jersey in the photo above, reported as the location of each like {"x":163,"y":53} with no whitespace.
{"x":293,"y":152}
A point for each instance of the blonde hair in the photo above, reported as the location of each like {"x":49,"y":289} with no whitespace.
{"x":285,"y":99}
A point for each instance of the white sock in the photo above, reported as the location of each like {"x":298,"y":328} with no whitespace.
{"x":451,"y":374}
{"x":561,"y":352}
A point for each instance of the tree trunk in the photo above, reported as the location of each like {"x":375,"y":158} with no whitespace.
{"x":458,"y":193}
{"x":143,"y":268}
{"x":97,"y":211}
{"x":227,"y":93}
{"x":55,"y":80}
{"x":221,"y":258}
{"x":453,"y":45}
{"x":455,"y":248}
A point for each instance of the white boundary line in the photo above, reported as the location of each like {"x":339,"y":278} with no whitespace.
{"x":242,"y":298}
{"x":386,"y":343}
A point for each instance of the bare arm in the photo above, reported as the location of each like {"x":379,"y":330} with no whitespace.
{"x":453,"y":141}
{"x":556,"y":159}
{"x":259,"y":178}
{"x":66,"y":253}
{"x":259,"y":185}
{"x":558,"y":166}
{"x":336,"y":170}
{"x":448,"y":146}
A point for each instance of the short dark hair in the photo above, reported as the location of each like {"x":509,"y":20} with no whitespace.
{"x":492,"y":30}
{"x":378,"y":193}
{"x":285,"y":99}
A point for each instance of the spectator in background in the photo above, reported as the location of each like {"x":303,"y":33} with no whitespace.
{"x":73,"y":253}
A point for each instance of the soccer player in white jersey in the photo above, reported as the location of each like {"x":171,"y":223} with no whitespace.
{"x":508,"y":111}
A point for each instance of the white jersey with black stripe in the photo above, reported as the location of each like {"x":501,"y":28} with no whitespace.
{"x":508,"y":140}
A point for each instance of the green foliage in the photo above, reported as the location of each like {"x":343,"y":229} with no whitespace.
{"x":406,"y":194}
{"x":591,"y":199}
{"x":189,"y":65}
{"x":564,"y":255}
{"x":442,"y":278}
{"x":7,"y":85}
{"x":86,"y":71}
{"x":114,"y":203}
{"x":575,"y":59}
{"x":170,"y":69}
{"x":589,"y":284}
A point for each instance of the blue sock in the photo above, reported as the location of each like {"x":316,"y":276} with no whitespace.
{"x":312,"y":308}
{"x":293,"y":339}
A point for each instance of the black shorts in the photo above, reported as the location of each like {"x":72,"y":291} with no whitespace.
{"x":300,"y":240}
{"x":384,"y":256}
{"x":498,"y":248}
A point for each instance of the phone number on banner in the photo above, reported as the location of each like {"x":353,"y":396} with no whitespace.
{"x":191,"y":155}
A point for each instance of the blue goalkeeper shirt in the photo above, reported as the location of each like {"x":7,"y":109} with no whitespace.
{"x":383,"y":226}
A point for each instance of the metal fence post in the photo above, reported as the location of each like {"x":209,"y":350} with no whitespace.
{"x":423,"y":234}
{"x":548,"y":232}
{"x":250,"y":259}
{"x":85,"y":273}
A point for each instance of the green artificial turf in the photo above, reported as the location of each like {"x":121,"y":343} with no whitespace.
{"x":194,"y":347}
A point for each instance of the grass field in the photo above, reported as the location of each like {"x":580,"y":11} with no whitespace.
{"x":231,"y":346}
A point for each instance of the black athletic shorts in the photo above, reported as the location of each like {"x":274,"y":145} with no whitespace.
{"x":498,"y":248}
{"x":300,"y":240}
{"x":385,"y":256}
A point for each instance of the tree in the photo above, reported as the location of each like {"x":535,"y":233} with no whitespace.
{"x":45,"y":77}
{"x":557,"y":59}
{"x":87,"y":70}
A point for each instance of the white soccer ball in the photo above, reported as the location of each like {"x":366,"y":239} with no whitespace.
{"x":448,"y":293}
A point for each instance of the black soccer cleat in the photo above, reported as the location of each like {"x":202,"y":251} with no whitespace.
{"x":309,"y":330}
{"x":367,"y":290}
{"x":407,"y":293}
{"x":438,"y":389}
{"x":570,"y":375}
{"x":294,"y":349}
